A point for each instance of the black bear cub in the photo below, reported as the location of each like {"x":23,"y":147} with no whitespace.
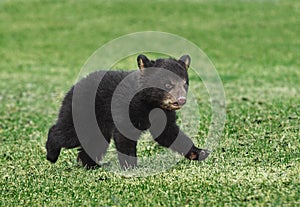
{"x":159,"y":88}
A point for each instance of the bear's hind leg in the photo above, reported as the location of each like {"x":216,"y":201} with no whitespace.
{"x":60,"y":136}
{"x":85,"y":159}
{"x":126,"y":150}
{"x":96,"y":148}
{"x":52,"y":144}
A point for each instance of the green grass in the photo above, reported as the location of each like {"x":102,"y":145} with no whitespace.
{"x":255,"y":46}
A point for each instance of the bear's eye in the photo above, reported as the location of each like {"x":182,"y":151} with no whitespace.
{"x":169,"y":86}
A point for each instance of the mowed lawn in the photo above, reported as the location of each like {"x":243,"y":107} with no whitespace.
{"x":255,"y":47}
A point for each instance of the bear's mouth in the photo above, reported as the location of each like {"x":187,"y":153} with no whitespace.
{"x":174,"y":105}
{"x":171,"y":105}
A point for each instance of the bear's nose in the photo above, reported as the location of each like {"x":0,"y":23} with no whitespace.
{"x":181,"y":101}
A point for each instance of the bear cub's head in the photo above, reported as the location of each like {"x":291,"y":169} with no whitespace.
{"x":165,"y":81}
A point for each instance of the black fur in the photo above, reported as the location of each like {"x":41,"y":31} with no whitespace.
{"x":63,"y":134}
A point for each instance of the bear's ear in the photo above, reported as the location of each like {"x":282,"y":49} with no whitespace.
{"x":186,"y":59}
{"x":143,"y":62}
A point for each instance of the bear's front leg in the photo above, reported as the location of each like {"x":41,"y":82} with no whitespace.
{"x":176,"y":140}
{"x":197,"y":154}
{"x":126,"y":150}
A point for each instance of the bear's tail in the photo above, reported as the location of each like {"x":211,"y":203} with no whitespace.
{"x":53,"y":145}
